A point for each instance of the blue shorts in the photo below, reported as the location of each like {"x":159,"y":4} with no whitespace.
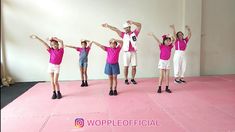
{"x":112,"y":69}
{"x":83,"y":64}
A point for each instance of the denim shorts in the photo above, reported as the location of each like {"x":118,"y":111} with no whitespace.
{"x":112,"y":69}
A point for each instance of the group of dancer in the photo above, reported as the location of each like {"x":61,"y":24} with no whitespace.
{"x":128,"y":44}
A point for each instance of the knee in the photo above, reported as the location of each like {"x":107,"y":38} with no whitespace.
{"x":126,"y":67}
{"x":56,"y":83}
{"x":52,"y":82}
{"x":134,"y":67}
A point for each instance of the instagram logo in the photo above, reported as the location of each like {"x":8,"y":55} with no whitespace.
{"x":79,"y":122}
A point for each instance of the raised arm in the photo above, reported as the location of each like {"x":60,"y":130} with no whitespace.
{"x":60,"y":41}
{"x":43,"y":42}
{"x":158,"y":41}
{"x":137,"y":24}
{"x":99,"y":45}
{"x":189,"y":31}
{"x":173,"y":28}
{"x":69,"y":46}
{"x":106,"y":25}
{"x":173,"y":39}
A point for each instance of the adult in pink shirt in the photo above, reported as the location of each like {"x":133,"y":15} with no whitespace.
{"x":179,"y":56}
{"x":164,"y":62}
{"x":56,"y":52}
{"x":112,"y":65}
{"x":129,"y":38}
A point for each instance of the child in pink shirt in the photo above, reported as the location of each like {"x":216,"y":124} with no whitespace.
{"x":112,"y":65}
{"x":179,"y":55}
{"x":56,"y":54}
{"x":164,"y":61}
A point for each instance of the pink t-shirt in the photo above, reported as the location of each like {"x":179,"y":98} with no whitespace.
{"x":112,"y":54}
{"x":131,"y":48}
{"x":81,"y":50}
{"x":56,"y":55}
{"x":165,"y":51}
{"x":181,"y":44}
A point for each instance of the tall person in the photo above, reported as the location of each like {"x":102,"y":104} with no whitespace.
{"x":129,"y":38}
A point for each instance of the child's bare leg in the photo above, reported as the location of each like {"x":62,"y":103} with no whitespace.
{"x":160,"y":81}
{"x":82,"y":76}
{"x":167,"y":77}
{"x":85,"y":73}
{"x":111,"y":82}
{"x":52,"y":81}
{"x":161,"y":77}
{"x":57,"y":85}
{"x":115,"y":82}
{"x":167,"y":73}
{"x":56,"y":81}
{"x":115,"y":85}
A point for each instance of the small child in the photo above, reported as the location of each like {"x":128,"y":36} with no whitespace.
{"x":164,"y":62}
{"x":56,"y":54}
{"x":83,"y":59}
{"x":112,"y":65}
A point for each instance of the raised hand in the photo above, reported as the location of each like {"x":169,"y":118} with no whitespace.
{"x":105,"y":25}
{"x":33,"y":36}
{"x":130,"y":22}
{"x":172,"y":26}
{"x":187,"y":27}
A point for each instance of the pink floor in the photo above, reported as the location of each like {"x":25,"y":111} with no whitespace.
{"x":204,"y":104}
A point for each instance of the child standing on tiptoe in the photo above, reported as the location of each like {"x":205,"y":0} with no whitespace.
{"x":164,"y":61}
{"x":83,"y":59}
{"x":112,"y":65}
{"x":56,"y":52}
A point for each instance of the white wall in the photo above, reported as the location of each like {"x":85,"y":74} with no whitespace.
{"x":218,"y":45}
{"x":27,"y":60}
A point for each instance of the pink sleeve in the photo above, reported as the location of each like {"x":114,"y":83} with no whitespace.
{"x":106,"y":48}
{"x":160,"y":46}
{"x":78,"y":49}
{"x":186,"y":39}
{"x":62,"y":50}
{"x":88,"y":49}
{"x":136,"y":32}
{"x":119,"y":47}
{"x":122,"y":34}
{"x":49,"y":50}
{"x":171,"y":45}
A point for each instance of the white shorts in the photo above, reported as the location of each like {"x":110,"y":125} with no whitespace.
{"x":53,"y":68}
{"x":129,"y":58}
{"x":164,"y":64}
